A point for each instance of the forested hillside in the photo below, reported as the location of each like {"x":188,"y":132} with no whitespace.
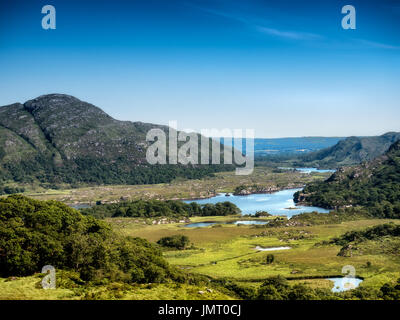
{"x":374,"y":185}
{"x":350,"y":151}
{"x":60,"y":139}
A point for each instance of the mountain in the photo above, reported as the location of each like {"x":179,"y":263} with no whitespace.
{"x":350,"y":151}
{"x":374,"y":185}
{"x":58,"y":138}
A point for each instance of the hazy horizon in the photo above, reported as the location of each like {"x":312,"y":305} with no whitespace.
{"x":211,"y":136}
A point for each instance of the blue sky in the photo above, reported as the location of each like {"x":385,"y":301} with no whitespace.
{"x":284,"y":68}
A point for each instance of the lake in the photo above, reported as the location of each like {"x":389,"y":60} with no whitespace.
{"x":250,"y":222}
{"x":345,"y":283}
{"x":308,"y":170}
{"x":207,"y":224}
{"x":272,"y":248}
{"x":200,"y":224}
{"x":78,"y":206}
{"x":277,"y":203}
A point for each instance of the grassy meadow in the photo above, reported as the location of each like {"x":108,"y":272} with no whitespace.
{"x":221,"y":251}
{"x":29,"y":288}
{"x":178,"y":189}
{"x":228,"y":251}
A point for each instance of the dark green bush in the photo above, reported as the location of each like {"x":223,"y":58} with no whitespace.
{"x":179,"y":242}
{"x":278,"y":288}
{"x":270,"y":258}
{"x":11,"y":190}
{"x":372,"y":233}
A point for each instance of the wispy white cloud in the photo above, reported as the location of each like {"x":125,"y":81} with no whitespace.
{"x":260,"y":26}
{"x":373,"y":44}
{"x":266,"y":27}
{"x":232,"y":16}
{"x":295,"y":35}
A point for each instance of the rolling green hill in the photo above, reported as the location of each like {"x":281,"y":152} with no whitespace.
{"x":350,"y":151}
{"x":59,"y":139}
{"x":374,"y":185}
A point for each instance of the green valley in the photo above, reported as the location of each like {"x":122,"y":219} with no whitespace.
{"x":178,"y":231}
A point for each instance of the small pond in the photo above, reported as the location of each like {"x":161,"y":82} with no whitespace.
{"x":308,"y":170}
{"x":341,"y":284}
{"x":272,"y":248}
{"x":239,"y":222}
{"x":200,"y":224}
{"x":78,"y":206}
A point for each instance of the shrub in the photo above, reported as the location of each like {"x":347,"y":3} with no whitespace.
{"x":179,"y":242}
{"x":262,"y":214}
{"x":270,"y":258}
{"x":278,"y":288}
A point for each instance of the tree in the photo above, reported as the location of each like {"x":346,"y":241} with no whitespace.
{"x":179,"y":242}
{"x":270,"y":258}
{"x":262,"y":214}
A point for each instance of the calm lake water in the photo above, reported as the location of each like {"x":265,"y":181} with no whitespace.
{"x":207,"y":224}
{"x":272,"y":248}
{"x":200,"y":224}
{"x":308,"y":170}
{"x":344,"y":284}
{"x":277,"y":203}
{"x":249,"y":222}
{"x":80,"y":206}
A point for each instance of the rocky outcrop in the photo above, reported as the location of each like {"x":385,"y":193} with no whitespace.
{"x":255,"y":189}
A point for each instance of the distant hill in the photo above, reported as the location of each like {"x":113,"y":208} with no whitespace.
{"x":59,"y":139}
{"x":375,"y":185}
{"x":352,"y":150}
